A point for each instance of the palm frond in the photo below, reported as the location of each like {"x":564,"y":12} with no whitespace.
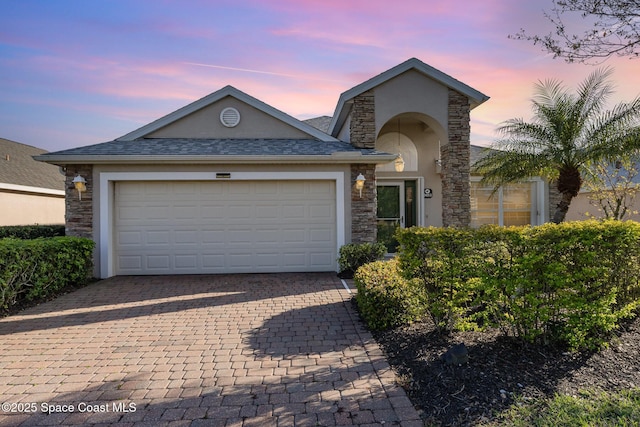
{"x":501,"y":167}
{"x":568,"y":132}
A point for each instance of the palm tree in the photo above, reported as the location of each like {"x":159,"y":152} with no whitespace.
{"x":567,"y":134}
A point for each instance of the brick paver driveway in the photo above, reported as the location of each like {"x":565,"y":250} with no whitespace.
{"x":229,"y":350}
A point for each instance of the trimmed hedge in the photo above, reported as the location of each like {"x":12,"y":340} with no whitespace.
{"x":571,"y":283}
{"x":386,"y":299}
{"x":35,"y":269}
{"x":31,"y":231}
{"x":355,"y":255}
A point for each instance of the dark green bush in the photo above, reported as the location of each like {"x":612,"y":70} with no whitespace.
{"x":34,"y":269}
{"x":444,"y":264}
{"x":31,"y":231}
{"x":355,"y":255}
{"x":582,"y":279}
{"x":571,"y":283}
{"x":386,"y":299}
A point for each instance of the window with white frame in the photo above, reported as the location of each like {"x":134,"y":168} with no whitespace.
{"x":511,"y":204}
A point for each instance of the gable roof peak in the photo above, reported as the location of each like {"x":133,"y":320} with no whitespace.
{"x":215,"y":97}
{"x":475,"y":97}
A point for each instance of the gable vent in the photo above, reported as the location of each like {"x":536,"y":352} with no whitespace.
{"x":230,"y":117}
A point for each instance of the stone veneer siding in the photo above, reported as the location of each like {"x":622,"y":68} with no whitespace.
{"x":456,"y":201}
{"x":362,"y":134}
{"x":364,"y":209}
{"x":79,"y":213}
{"x":362,"y":129}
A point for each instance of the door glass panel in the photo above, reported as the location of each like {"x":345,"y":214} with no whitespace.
{"x":410,"y":207}
{"x":389,"y":201}
{"x":389,"y":215}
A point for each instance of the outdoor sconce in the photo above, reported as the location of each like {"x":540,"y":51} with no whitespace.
{"x":81,"y":185}
{"x":360,"y":183}
{"x":438,"y":165}
{"x":398,"y":164}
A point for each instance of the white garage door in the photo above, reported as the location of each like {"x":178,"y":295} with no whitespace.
{"x":193,"y":227}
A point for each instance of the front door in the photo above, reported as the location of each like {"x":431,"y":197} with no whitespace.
{"x":396,"y":208}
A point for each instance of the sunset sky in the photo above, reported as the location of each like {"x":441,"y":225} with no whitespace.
{"x":78,"y":72}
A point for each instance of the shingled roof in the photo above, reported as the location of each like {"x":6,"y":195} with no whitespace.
{"x":218,"y":150}
{"x":18,"y":168}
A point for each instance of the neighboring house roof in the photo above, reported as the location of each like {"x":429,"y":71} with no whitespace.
{"x":20,"y":172}
{"x":321,"y":123}
{"x":173,"y":150}
{"x":217,"y":96}
{"x":341,"y":112}
{"x":476,"y":153}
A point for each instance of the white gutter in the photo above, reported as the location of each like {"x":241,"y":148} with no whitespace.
{"x":28,"y":189}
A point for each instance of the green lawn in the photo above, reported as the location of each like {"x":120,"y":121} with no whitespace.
{"x":621,"y":409}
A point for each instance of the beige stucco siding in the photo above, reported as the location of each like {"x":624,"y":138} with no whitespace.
{"x":205,"y":123}
{"x":581,"y":205}
{"x":411,"y":92}
{"x":28,"y":209}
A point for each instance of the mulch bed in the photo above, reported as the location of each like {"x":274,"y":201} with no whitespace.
{"x":499,"y":370}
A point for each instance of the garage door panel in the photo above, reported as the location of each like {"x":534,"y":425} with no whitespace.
{"x":186,"y":261}
{"x":213,"y":261}
{"x":291,"y":236}
{"x":321,"y":258}
{"x":129,"y":238}
{"x":224,"y":226}
{"x":161,"y":237}
{"x":268,"y":210}
{"x":212,"y":237}
{"x":131,"y":263}
{"x":320,"y":236}
{"x":158,"y":262}
{"x":190,"y":237}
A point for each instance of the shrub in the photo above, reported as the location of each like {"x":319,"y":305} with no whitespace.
{"x":443,"y":262}
{"x":355,"y":255}
{"x":31,"y":231}
{"x":386,"y":299}
{"x":571,"y":283}
{"x":582,"y":279}
{"x":33,"y":269}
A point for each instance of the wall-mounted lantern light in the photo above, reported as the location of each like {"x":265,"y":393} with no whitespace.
{"x":438,"y":165}
{"x":81,"y":185}
{"x":360,"y":179}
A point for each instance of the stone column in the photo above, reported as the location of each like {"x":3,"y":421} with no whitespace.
{"x":362,"y":129}
{"x":79,"y":213}
{"x":456,"y":201}
{"x":364,"y":209}
{"x":362,"y":134}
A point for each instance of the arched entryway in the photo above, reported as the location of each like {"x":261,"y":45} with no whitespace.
{"x":409,"y":192}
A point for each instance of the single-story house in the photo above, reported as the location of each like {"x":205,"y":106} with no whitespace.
{"x":229,"y":184}
{"x":627,"y":186}
{"x":31,"y":192}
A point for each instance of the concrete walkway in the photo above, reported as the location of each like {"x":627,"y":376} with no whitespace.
{"x":236,"y":350}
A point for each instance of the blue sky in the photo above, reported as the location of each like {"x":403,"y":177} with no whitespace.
{"x":77,"y":72}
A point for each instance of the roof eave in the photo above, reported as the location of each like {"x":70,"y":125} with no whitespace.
{"x":340,"y":157}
